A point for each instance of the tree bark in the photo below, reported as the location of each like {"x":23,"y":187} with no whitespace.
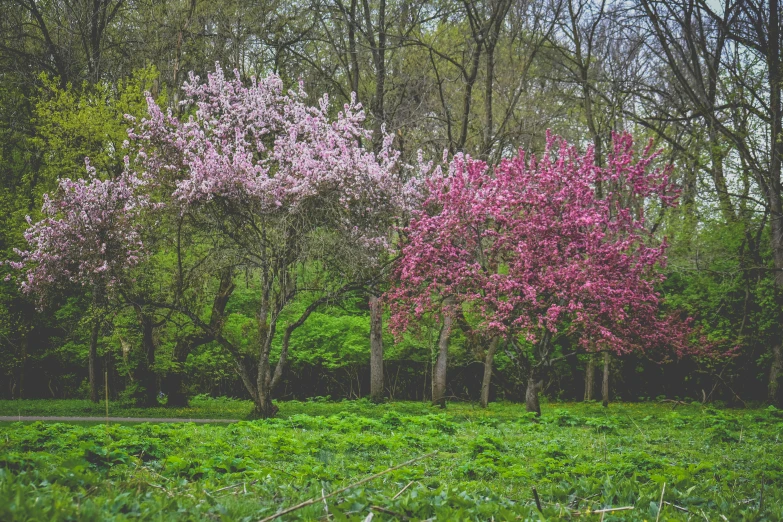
{"x":486,"y":145}
{"x":488,"y":360}
{"x":147,"y":378}
{"x":775,"y":73}
{"x":534,"y":385}
{"x":439,"y":368}
{"x":775,"y":374}
{"x":352,"y":49}
{"x":378,"y":51}
{"x":174,"y":380}
{"x":605,"y":382}
{"x":534,"y":380}
{"x":493,"y":34}
{"x":262,"y":405}
{"x":25,"y":351}
{"x":589,"y":378}
{"x":467,"y":96}
{"x":376,"y":349}
{"x":264,"y":408}
{"x":92,"y":359}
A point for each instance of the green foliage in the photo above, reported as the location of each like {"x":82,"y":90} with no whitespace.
{"x":201,"y":407}
{"x":62,"y":126}
{"x":333,"y":341}
{"x":90,"y":121}
{"x":582,"y":457}
{"x":710,"y":278}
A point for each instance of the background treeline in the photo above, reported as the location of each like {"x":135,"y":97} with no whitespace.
{"x":481,"y":76}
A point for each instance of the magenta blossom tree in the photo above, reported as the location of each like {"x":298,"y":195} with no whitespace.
{"x":89,"y":236}
{"x":541,"y":247}
{"x":282,"y":186}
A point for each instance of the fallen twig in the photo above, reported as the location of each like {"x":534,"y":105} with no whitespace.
{"x":390,"y":512}
{"x":676,"y":403}
{"x":574,"y":504}
{"x":400,"y":492}
{"x":600,"y":511}
{"x":675,"y":506}
{"x":169,"y":493}
{"x":660,"y":504}
{"x":232,"y":486}
{"x":326,"y":506}
{"x":349,"y":486}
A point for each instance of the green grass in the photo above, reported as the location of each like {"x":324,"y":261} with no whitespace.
{"x":579,"y":457}
{"x":221,"y":408}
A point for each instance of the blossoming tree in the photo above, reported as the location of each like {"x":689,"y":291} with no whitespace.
{"x":534,"y":252}
{"x":285,"y":187}
{"x":89,"y":236}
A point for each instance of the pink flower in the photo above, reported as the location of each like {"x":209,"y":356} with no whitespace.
{"x":530,"y":247}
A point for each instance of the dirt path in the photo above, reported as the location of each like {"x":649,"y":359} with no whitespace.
{"x":25,"y":418}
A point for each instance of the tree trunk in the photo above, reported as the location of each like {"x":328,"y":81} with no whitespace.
{"x":262,"y":400}
{"x":256,"y":374}
{"x":262,"y":405}
{"x":467,"y":95}
{"x":439,"y":368}
{"x":589,"y":377}
{"x":605,"y":382}
{"x":174,"y":380}
{"x":775,"y":72}
{"x":352,"y":49}
{"x":493,"y":34}
{"x":378,"y":52}
{"x":773,"y":183}
{"x":531,"y":393}
{"x":486,"y":145}
{"x":147,"y":378}
{"x":264,"y":408}
{"x":380,"y":76}
{"x":775,"y":374}
{"x":376,"y":349}
{"x":92,"y":359}
{"x":266,"y":380}
{"x":25,"y":351}
{"x":485,"y":382}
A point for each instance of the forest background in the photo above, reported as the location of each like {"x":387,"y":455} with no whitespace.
{"x":486,"y":77}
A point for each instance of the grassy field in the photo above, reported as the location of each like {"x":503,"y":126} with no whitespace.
{"x":581,"y":458}
{"x":220,"y":408}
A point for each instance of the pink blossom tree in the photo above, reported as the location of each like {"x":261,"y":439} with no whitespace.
{"x":284,"y":186}
{"x":89,"y":236}
{"x":534,"y":252}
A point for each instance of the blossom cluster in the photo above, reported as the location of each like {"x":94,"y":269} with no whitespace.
{"x":89,"y":234}
{"x":536,"y":245}
{"x":257,"y":146}
{"x":263,"y":153}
